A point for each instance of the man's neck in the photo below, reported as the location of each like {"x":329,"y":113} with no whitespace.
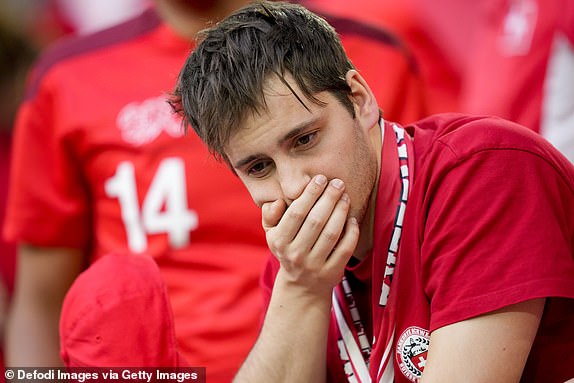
{"x":187,"y":20}
{"x":365,"y":244}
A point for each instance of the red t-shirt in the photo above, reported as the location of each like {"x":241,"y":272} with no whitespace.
{"x":521,"y":67}
{"x":101,"y":163}
{"x":488,"y":224}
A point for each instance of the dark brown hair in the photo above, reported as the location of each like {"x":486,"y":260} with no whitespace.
{"x":223,"y":78}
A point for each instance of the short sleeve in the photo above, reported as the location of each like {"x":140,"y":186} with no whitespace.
{"x":47,"y":201}
{"x":499,"y":231}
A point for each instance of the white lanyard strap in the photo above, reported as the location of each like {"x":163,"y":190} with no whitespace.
{"x":355,"y":348}
{"x":356,"y":359}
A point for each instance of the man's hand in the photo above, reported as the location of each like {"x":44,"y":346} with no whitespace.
{"x":313,"y":238}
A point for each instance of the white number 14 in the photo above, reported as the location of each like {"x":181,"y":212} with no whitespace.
{"x":164,"y":208}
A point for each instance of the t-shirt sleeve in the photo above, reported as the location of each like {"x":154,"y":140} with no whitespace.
{"x":499,"y":231}
{"x":47,"y":201}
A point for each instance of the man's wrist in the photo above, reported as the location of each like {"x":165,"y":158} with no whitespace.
{"x":288,"y":289}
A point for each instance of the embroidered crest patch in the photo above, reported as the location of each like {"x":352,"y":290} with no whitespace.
{"x":411,"y":353}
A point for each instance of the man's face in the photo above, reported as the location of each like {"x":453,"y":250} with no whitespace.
{"x":277,"y":152}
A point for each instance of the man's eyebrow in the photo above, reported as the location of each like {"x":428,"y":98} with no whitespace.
{"x":241,"y":163}
{"x":298,"y":129}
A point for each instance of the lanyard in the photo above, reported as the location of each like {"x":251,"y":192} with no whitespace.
{"x":354,"y":347}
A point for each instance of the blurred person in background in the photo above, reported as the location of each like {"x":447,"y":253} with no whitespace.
{"x":101,"y":165}
{"x":521,"y":67}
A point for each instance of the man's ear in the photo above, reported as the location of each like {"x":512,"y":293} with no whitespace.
{"x":363,"y":99}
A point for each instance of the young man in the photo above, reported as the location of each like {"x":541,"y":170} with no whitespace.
{"x":441,"y":252}
{"x":102,"y":166}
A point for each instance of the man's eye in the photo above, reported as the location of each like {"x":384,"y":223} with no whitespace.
{"x":259,"y":169}
{"x":305,"y":139}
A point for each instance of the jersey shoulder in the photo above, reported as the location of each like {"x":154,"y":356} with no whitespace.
{"x":346,"y":26}
{"x":69,"y":48}
{"x":449,"y":139}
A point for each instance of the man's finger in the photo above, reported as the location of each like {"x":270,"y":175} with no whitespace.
{"x":271,"y":213}
{"x":297,"y":212}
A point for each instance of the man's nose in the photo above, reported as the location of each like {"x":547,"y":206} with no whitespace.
{"x":293,"y":181}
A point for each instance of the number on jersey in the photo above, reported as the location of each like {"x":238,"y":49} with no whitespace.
{"x":164,"y":208}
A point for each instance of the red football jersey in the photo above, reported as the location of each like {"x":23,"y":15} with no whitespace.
{"x":487,"y":222}
{"x":101,"y":163}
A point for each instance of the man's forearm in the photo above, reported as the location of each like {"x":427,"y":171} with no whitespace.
{"x":293,"y":342}
{"x":313,"y":239}
{"x":31,"y":339}
{"x":42,"y":281}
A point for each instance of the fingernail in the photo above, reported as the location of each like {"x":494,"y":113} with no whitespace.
{"x":353,"y":221}
{"x":345,"y":197}
{"x":320,"y":179}
{"x":337,"y":183}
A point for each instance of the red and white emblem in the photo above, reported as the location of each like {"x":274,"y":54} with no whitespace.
{"x":142,"y":122}
{"x":411,"y":353}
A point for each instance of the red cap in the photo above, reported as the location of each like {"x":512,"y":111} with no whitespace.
{"x":116,"y":314}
